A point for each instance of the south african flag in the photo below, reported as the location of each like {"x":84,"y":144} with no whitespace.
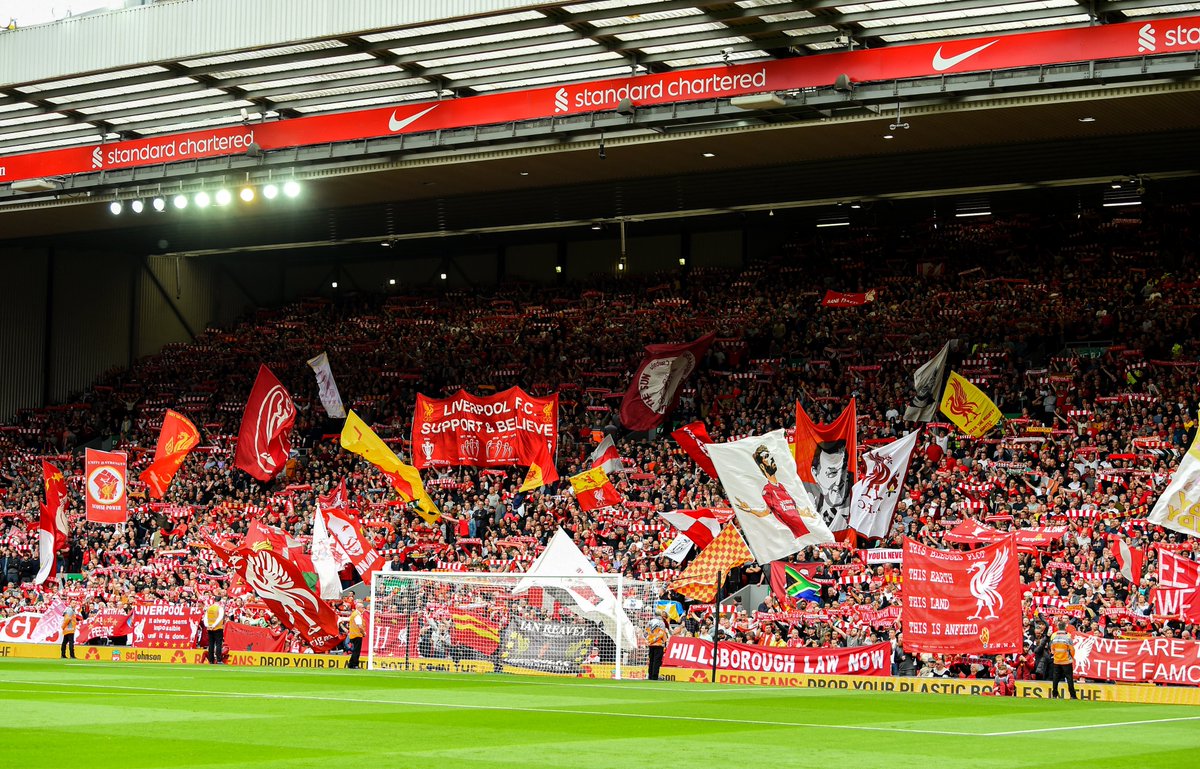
{"x":790,"y":583}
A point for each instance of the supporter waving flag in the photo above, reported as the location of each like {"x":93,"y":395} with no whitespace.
{"x":696,"y":528}
{"x":873,"y":501}
{"x":826,"y":461}
{"x":703,"y":576}
{"x":593,"y":490}
{"x":968,"y":407}
{"x":927,"y":381}
{"x":1131,"y":560}
{"x":265,"y":437}
{"x":542,"y":472}
{"x":1177,"y":508}
{"x":360,"y":439}
{"x":52,"y":524}
{"x":606,"y":457}
{"x":331,"y":399}
{"x":693,"y":438}
{"x":654,"y":390}
{"x":328,"y":558}
{"x":177,"y":437}
{"x":282,"y":587}
{"x":775,"y":511}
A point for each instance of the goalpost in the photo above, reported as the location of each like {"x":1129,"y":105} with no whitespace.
{"x":584,"y":626}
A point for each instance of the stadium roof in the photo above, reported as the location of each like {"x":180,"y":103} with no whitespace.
{"x":262,"y":70}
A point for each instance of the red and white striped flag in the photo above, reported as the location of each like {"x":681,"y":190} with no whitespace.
{"x":1131,"y":560}
{"x":606,"y":457}
{"x":696,"y":528}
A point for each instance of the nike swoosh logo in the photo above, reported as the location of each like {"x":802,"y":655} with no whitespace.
{"x":399,"y":125}
{"x":941,"y":64}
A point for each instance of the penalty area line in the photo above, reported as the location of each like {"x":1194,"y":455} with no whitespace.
{"x":68,"y":687}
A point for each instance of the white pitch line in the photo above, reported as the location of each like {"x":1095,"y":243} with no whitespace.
{"x":67,"y":687}
{"x":1090,"y":726}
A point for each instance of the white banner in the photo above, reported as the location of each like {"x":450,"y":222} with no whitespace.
{"x":775,"y":512}
{"x":881,"y":555}
{"x":331,"y":399}
{"x":873,"y":499}
{"x":927,"y":381}
{"x":1177,"y":507}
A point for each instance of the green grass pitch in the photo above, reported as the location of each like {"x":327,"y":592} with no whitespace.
{"x":100,"y":715}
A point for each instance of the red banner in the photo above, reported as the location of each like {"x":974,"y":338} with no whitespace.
{"x":962,"y":602}
{"x":838,"y":299}
{"x":981,"y":54}
{"x":1178,"y":590}
{"x":106,"y":623}
{"x":264,"y":439}
{"x":508,"y":428}
{"x":165,"y":626}
{"x":346,"y":529}
{"x":177,"y":437}
{"x":248,"y":638}
{"x":654,"y":390}
{"x":1139,"y":660}
{"x":970,"y":532}
{"x":692,"y":438}
{"x":687,"y":652}
{"x":281,"y":586}
{"x":105,"y":475}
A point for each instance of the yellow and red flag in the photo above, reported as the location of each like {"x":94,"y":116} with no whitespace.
{"x":542,"y":472}
{"x":700,"y":580}
{"x":177,"y":437}
{"x":360,"y":439}
{"x":968,"y":407}
{"x":593,"y":490}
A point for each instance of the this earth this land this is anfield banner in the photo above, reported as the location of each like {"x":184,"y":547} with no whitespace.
{"x":961,"y":602}
{"x":987,"y":53}
{"x":687,"y":652}
{"x":508,"y":428}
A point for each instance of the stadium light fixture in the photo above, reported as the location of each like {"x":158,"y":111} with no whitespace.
{"x":137,"y":206}
{"x":683,"y":261}
{"x":247,"y":194}
{"x":334,"y":284}
{"x":202,"y":199}
{"x":180,"y":201}
{"x":973,"y":207}
{"x":1121,"y":197}
{"x":116,"y":207}
{"x":291,"y":188}
{"x":391,"y":281}
{"x":223,"y":197}
{"x":443,"y":276}
{"x":270,"y":192}
{"x":159,"y":204}
{"x":837,"y":220}
{"x":558,"y":268}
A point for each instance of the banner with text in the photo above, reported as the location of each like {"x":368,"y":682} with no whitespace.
{"x":165,"y":626}
{"x":508,"y":428}
{"x":1140,"y":660}
{"x":549,"y":647}
{"x":687,"y":652}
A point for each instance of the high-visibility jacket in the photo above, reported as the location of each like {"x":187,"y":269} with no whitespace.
{"x":214,"y":617}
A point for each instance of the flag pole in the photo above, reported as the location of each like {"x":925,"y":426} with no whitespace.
{"x":716,"y":625}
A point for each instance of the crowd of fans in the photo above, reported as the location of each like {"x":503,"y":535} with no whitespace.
{"x":1081,"y":330}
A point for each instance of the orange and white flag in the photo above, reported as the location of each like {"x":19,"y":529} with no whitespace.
{"x":177,"y":437}
{"x":968,"y":407}
{"x":700,"y":580}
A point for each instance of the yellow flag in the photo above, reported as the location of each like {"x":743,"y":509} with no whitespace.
{"x":360,"y":439}
{"x":967,"y":406}
{"x":533,"y":479}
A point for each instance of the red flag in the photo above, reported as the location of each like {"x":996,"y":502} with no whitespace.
{"x":264,"y":439}
{"x":239,"y":637}
{"x":826,"y":460}
{"x":839,"y":299}
{"x":1131,"y":560}
{"x":692,"y":438}
{"x":346,"y":531}
{"x":593,"y":490}
{"x":260,"y":536}
{"x":52,"y":523}
{"x":655,"y":387}
{"x":281,"y":586}
{"x":695,"y":527}
{"x":177,"y":437}
{"x":959,"y":602}
{"x":337,"y":498}
{"x":475,"y":631}
{"x":106,"y":500}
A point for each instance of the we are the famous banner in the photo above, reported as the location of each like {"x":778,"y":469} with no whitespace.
{"x":687,"y":652}
{"x":962,"y":602}
{"x":1138,"y":660}
{"x":508,"y":428}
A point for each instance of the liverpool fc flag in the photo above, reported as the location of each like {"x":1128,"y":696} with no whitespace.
{"x":265,"y":437}
{"x":593,"y":490}
{"x":968,"y":407}
{"x":177,"y":437}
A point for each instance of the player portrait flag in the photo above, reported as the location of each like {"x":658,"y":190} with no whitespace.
{"x":52,"y":522}
{"x":873,"y":501}
{"x":106,"y":498}
{"x":360,"y":439}
{"x":1178,"y":508}
{"x":654,"y":390}
{"x":593,"y":490}
{"x":696,"y":528}
{"x":968,"y":407}
{"x":331,"y":399}
{"x":826,"y":461}
{"x":962,"y":602}
{"x":704,"y":575}
{"x":264,"y":439}
{"x":177,"y":437}
{"x":760,"y":480}
{"x":927,"y":382}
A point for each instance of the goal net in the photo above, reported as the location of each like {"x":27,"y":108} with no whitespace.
{"x":590,"y":626}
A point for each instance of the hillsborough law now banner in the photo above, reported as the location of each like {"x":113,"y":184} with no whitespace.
{"x":508,"y":428}
{"x":686,"y":652}
{"x":961,"y":602}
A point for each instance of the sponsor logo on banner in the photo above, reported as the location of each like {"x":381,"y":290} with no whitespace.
{"x":1146,"y":41}
{"x":961,"y":602}
{"x":686,"y":652}
{"x":395,"y":125}
{"x":508,"y":428}
{"x":941,"y":64}
{"x":561,"y":103}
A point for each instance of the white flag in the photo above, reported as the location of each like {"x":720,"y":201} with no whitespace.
{"x":325,"y":558}
{"x":593,"y":599}
{"x":873,"y":500}
{"x":1176,"y":508}
{"x":606,"y":457}
{"x":50,"y":622}
{"x":331,"y":399}
{"x":776,"y":514}
{"x":695,"y":527}
{"x":928,"y":380}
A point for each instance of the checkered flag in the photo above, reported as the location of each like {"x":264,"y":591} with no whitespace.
{"x":699,"y":581}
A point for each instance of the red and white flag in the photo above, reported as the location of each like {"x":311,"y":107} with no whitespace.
{"x":327,"y":558}
{"x":105,"y":479}
{"x":826,"y":460}
{"x":264,"y":439}
{"x":696,"y":528}
{"x":52,"y":523}
{"x":655,"y":387}
{"x":1130,"y":560}
{"x":962,"y":602}
{"x":346,"y":531}
{"x":281,"y":586}
{"x":1178,"y":591}
{"x":693,"y":438}
{"x":606,"y":457}
{"x":873,"y":501}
